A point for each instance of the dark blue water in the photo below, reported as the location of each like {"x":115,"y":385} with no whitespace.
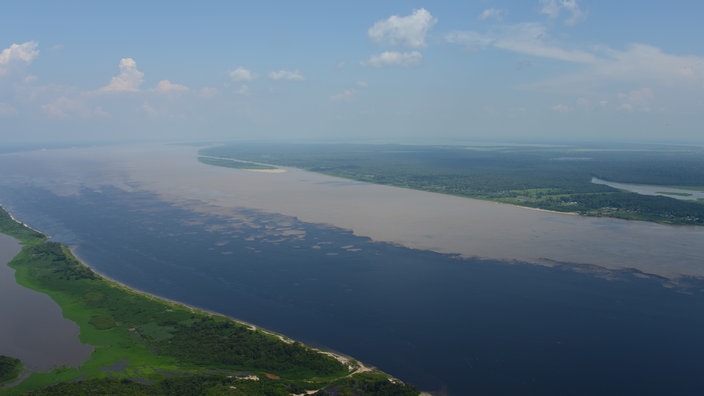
{"x":437,"y":321}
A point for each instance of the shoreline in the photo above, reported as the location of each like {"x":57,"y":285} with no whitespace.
{"x":352,"y":365}
{"x":341,"y":357}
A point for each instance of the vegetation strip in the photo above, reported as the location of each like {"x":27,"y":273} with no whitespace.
{"x":232,"y":163}
{"x":146,"y":345}
{"x":10,"y":368}
{"x":549,"y":178}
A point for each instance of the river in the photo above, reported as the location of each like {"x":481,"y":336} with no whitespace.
{"x":32,"y":328}
{"x":447,"y":293}
{"x":665,"y":191}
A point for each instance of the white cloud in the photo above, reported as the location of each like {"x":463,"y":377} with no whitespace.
{"x":599,"y":70}
{"x":394,"y":58}
{"x":286,"y":75}
{"x":638,"y":63}
{"x":344,"y":96}
{"x":23,"y":53}
{"x":636,"y":100}
{"x":241,"y":74}
{"x":553,"y":8}
{"x":526,"y":38}
{"x":642,"y":62}
{"x":128,"y":80}
{"x":407,"y":31}
{"x":491,"y":13}
{"x":167,"y":87}
{"x":550,"y":8}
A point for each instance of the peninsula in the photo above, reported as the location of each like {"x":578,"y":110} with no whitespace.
{"x":146,"y":345}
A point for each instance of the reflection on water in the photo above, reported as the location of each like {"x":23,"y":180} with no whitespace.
{"x":665,"y":191}
{"x":32,"y":328}
{"x":415,"y":219}
{"x":276,"y":250}
{"x":468,"y":326}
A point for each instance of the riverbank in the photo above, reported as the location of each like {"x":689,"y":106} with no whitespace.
{"x":156,"y":344}
{"x":353,"y":365}
{"x":32,"y":328}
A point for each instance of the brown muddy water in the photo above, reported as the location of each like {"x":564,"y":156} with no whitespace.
{"x":415,"y":219}
{"x":31,"y":326}
{"x":275,"y":249}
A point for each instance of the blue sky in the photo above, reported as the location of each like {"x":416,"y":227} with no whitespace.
{"x":386,"y":71}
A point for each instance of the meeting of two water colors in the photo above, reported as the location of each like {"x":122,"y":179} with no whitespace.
{"x":439,"y":321}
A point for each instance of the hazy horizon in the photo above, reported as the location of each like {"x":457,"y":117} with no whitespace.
{"x":394,"y":72}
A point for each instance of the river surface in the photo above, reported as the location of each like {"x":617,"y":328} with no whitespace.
{"x":644,"y":189}
{"x":31,"y":326}
{"x":450,"y":294}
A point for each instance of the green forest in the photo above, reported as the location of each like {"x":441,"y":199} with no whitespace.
{"x":546,"y":177}
{"x":145,"y":345}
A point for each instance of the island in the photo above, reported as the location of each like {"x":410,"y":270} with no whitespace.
{"x":145,"y":345}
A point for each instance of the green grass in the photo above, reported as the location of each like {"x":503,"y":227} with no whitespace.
{"x":10,"y":368}
{"x":170,"y":348}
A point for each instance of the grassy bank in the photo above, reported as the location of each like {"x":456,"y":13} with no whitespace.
{"x":10,"y":368}
{"x":146,"y":345}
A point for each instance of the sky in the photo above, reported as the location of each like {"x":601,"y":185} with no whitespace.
{"x":400,"y":71}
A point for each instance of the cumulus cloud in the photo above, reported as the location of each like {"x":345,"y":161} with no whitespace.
{"x":394,"y":58}
{"x":167,"y":87}
{"x":128,"y":80}
{"x":286,"y":75}
{"x":409,"y":31}
{"x":553,"y":8}
{"x":241,"y":74}
{"x":18,"y":53}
